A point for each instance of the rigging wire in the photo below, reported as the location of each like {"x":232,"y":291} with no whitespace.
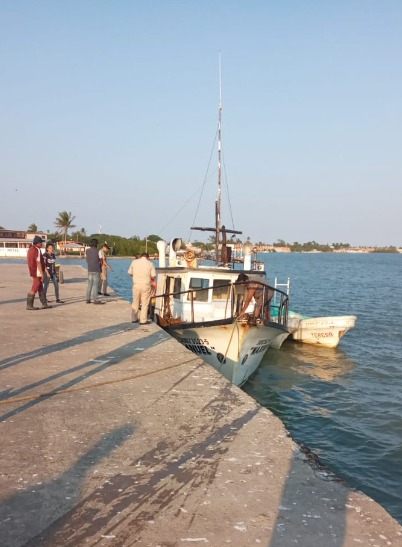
{"x":193,"y":195}
{"x":205,"y":180}
{"x":227,"y":190}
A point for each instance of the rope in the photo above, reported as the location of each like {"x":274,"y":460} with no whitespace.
{"x":230,"y":340}
{"x":83,"y":388}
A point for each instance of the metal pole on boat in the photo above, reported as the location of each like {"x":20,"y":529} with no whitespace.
{"x":218,"y":201}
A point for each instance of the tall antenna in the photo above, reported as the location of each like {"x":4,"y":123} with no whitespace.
{"x":220,"y":231}
{"x":219,"y":197}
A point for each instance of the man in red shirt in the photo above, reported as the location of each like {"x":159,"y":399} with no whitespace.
{"x":36,"y":266}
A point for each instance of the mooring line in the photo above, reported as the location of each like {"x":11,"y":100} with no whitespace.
{"x":99,"y":384}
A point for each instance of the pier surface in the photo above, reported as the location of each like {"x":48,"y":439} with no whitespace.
{"x":113,"y":434}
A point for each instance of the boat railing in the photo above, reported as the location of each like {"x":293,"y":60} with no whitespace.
{"x":235,"y":300}
{"x":265,"y":297}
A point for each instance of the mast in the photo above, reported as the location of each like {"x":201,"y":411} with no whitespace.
{"x":219,"y":197}
{"x":219,"y":230}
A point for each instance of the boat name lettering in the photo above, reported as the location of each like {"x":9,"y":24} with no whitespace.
{"x":322,"y":334}
{"x":198,"y":349}
{"x":194,"y":341}
{"x":258,"y":349}
{"x":261,"y":342}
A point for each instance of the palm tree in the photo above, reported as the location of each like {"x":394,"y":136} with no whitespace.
{"x":79,"y":235}
{"x":64,"y":221}
{"x":32,"y":228}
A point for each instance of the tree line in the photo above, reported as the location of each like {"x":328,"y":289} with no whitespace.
{"x":131,"y":246}
{"x":120,"y":246}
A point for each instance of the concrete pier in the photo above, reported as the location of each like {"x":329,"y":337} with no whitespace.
{"x":113,"y":434}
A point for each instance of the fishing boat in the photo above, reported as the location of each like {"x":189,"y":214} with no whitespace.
{"x":203,"y":306}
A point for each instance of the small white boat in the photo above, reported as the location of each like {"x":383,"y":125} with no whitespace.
{"x":322,"y":331}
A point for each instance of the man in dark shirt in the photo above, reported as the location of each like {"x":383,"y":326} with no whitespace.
{"x":92,"y":257}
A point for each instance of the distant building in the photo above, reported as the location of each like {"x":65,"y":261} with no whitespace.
{"x":20,"y":234}
{"x":72,"y":247}
{"x":15,"y":243}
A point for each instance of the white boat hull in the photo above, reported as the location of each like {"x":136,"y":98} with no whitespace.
{"x":234,"y":349}
{"x":322,"y":331}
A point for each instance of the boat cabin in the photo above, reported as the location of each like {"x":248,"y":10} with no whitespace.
{"x":204,"y":293}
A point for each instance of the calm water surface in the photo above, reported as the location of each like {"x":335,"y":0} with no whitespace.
{"x":344,"y":404}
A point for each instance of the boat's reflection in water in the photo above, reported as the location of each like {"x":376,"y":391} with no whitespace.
{"x":325,"y":364}
{"x":293,"y":359}
{"x":300,"y":379}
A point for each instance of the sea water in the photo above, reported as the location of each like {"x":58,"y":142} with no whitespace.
{"x":345,"y":404}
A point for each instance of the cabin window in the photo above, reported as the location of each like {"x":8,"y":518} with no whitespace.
{"x":221,"y":289}
{"x":177,"y":287}
{"x":11,"y":245}
{"x":200,"y":292}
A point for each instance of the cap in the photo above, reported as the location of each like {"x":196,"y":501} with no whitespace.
{"x":37,"y":239}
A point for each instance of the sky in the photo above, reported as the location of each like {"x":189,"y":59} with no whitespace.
{"x":109,"y":110}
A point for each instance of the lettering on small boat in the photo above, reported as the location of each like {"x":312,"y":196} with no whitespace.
{"x":322,"y":334}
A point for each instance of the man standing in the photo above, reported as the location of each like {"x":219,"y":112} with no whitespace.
{"x":102,"y":288}
{"x":92,"y":257}
{"x":36,"y":266}
{"x":143,"y":273}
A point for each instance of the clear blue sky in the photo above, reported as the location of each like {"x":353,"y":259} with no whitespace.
{"x":109,"y":110}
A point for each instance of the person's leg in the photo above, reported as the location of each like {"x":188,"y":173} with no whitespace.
{"x":42,"y":296}
{"x":89,"y":286}
{"x":46,"y":284}
{"x":31,"y":294}
{"x":95,"y":287}
{"x":102,"y":285}
{"x":136,"y":304}
{"x":104,"y":281}
{"x":145,"y":297}
{"x":56,"y":288}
